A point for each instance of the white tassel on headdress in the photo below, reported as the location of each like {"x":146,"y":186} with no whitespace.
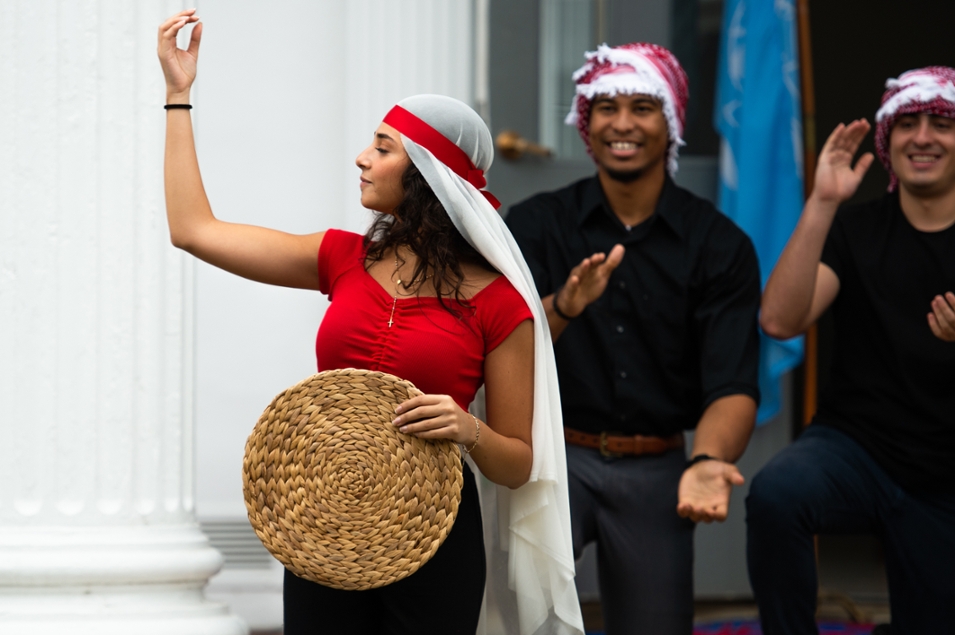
{"x":917,"y":87}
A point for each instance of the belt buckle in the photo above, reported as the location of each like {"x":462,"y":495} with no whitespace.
{"x":603,"y":448}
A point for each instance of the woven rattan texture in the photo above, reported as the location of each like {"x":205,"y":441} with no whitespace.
{"x":336,"y":493}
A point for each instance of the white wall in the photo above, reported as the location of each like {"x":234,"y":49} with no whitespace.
{"x":270,"y":156}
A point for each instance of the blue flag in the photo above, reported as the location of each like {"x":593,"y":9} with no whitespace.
{"x":758,"y":115}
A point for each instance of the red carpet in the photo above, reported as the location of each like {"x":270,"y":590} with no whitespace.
{"x":751,"y":627}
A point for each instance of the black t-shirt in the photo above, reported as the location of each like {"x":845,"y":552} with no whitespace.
{"x":675,"y":328}
{"x":892,"y":386}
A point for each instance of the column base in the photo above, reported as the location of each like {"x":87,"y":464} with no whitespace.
{"x":116,"y":611}
{"x":110,"y":580}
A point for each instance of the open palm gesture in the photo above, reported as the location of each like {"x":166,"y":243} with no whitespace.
{"x":179,"y":66}
{"x":588,"y":280}
{"x":704,"y":491}
{"x":836,"y":179}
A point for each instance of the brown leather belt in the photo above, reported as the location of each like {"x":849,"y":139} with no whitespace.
{"x":619,"y":445}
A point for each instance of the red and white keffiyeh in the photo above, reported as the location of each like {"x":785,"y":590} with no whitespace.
{"x":639,"y":68}
{"x":929,"y":90}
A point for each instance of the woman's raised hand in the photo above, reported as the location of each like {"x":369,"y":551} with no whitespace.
{"x":179,"y":66}
{"x":836,"y":179}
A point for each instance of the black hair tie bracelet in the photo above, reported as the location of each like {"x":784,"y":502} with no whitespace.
{"x":557,"y":307}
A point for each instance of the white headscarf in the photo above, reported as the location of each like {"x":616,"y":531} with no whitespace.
{"x":532,"y":523}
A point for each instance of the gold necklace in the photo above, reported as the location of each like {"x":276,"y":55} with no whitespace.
{"x":399,"y":283}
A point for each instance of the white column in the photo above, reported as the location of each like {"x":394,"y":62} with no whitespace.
{"x":97,"y":530}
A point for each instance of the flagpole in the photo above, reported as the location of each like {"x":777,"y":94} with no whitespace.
{"x":811,"y":359}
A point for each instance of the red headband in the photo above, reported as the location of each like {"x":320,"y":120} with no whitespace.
{"x":441,"y":147}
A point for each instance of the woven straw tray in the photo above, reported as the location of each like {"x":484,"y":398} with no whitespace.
{"x":336,"y":493}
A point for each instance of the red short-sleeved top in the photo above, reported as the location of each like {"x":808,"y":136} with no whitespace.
{"x":438,"y":352}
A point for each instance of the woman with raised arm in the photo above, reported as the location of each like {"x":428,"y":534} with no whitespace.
{"x":435,"y":292}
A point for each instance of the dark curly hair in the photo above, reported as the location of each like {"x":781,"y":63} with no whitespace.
{"x":421,"y":224}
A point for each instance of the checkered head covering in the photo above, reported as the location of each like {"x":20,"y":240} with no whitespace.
{"x":929,"y":90}
{"x":639,"y":68}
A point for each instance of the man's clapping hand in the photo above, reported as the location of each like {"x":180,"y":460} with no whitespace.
{"x":942,"y":318}
{"x":587,"y":281}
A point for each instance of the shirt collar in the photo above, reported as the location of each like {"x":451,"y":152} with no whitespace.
{"x":593,"y":200}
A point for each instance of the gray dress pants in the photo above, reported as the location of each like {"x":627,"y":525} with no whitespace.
{"x":644,"y":549}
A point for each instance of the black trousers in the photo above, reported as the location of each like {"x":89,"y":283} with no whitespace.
{"x":644,"y":549}
{"x":826,"y":483}
{"x":442,"y":597}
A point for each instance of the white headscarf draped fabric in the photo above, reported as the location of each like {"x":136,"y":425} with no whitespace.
{"x":532,"y":523}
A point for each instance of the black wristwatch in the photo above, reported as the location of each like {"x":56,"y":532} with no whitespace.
{"x":699,"y":458}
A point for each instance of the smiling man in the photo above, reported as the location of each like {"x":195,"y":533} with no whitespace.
{"x":880,"y":455}
{"x":651,"y":297}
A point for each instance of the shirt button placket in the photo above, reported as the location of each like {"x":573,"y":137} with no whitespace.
{"x":620,"y":330}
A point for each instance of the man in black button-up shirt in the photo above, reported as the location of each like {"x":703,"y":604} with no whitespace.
{"x":651,"y":296}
